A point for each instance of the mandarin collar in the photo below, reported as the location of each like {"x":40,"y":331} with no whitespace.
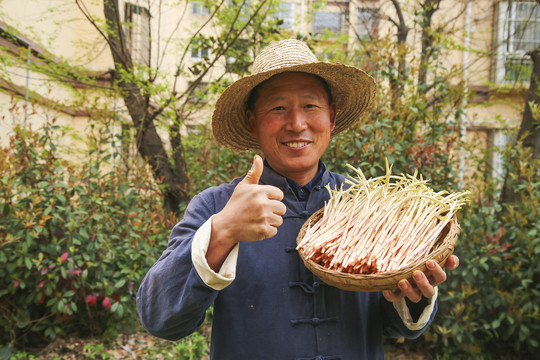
{"x":271,"y":177}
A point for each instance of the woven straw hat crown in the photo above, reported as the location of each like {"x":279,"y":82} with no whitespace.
{"x":352,"y":90}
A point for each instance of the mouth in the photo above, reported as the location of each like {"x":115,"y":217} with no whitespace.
{"x":296,"y":144}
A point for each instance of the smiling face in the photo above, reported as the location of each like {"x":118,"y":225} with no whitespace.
{"x":292,"y":120}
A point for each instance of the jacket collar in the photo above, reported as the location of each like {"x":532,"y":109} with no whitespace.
{"x":271,"y":177}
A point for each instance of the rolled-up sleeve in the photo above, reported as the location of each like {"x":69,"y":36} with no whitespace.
{"x":425,"y":317}
{"x":227,"y":272}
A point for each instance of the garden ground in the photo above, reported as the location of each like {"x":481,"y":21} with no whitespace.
{"x":141,"y":346}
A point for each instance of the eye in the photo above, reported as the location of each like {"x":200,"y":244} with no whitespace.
{"x":278,"y":108}
{"x":311,"y":106}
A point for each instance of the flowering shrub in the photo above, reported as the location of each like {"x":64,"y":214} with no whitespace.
{"x":75,"y":239}
{"x":490,"y":306}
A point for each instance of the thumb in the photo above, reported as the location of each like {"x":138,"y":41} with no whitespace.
{"x":255,"y":172}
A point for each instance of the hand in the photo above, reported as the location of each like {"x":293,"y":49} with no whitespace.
{"x":425,"y":285}
{"x":254,"y":212}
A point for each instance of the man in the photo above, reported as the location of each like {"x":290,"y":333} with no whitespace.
{"x":235,"y":247}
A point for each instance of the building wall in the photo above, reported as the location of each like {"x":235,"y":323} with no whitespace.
{"x":75,"y":40}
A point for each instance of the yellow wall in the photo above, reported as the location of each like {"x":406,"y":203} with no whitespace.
{"x":61,"y":29}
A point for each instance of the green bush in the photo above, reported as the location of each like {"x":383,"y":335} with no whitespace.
{"x":76,"y":238}
{"x":490,"y":307}
{"x":211,"y":164}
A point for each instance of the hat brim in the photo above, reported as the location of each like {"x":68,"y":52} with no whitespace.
{"x":352,"y":90}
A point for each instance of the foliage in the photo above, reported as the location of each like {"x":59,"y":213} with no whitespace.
{"x":192,"y":347}
{"x":132,"y":346}
{"x":75,"y":239}
{"x":212,"y":164}
{"x":414,"y":131}
{"x":490,"y":306}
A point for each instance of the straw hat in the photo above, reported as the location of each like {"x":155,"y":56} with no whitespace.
{"x":352,"y":89}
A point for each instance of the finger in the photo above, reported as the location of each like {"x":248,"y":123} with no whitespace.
{"x":278,"y":208}
{"x":272,"y":192}
{"x":268,"y":232}
{"x":406,"y":288}
{"x":254,"y":174}
{"x":452,"y":263}
{"x":423,"y":284}
{"x":437,"y":274}
{"x":275,"y":221}
{"x":393,"y":296}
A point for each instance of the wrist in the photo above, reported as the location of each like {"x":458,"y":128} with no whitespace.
{"x":221,"y":243}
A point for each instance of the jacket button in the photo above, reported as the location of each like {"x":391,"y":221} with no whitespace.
{"x":316,"y":321}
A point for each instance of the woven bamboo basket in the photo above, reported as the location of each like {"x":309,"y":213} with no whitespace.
{"x":442,"y":249}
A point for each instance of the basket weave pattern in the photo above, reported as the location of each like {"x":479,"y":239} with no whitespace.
{"x":442,"y":249}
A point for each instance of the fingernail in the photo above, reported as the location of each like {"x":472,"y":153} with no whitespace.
{"x":417,"y":276}
{"x":430,"y":265}
{"x":403,"y":284}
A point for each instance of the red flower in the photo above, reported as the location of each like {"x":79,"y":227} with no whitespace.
{"x":106,"y":302}
{"x":91,"y":299}
{"x":16,"y":284}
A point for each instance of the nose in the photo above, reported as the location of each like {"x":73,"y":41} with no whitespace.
{"x":296,"y":121}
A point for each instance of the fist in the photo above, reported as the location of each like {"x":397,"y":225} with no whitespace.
{"x":254,"y":212}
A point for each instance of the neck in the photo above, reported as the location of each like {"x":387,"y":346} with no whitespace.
{"x":300,"y":177}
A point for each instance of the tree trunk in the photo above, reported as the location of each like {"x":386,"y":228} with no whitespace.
{"x":428,"y":8}
{"x":397,"y":82}
{"x":529,"y":130}
{"x":149,"y":143}
{"x":530,"y":126}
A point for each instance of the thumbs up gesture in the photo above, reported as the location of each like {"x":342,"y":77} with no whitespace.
{"x":254,"y":212}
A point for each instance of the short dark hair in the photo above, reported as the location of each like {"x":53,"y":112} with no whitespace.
{"x":254,"y":94}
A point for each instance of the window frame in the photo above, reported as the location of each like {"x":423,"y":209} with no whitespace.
{"x":198,"y":9}
{"x":287,"y":12}
{"x":506,"y":40}
{"x":374,"y":21}
{"x":343,"y":25}
{"x":137,"y":33}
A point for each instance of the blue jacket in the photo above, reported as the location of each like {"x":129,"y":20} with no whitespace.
{"x":275,"y":308}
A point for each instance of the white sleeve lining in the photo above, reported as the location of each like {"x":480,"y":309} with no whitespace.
{"x":405,"y":314}
{"x":227,"y":272}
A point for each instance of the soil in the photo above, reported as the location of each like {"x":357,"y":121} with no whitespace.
{"x":141,"y":346}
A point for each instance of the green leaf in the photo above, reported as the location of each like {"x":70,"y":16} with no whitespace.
{"x":28,"y":263}
{"x":6,"y":209}
{"x":120,"y":283}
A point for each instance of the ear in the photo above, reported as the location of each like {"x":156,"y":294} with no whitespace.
{"x":333,"y":112}
{"x":251,"y":122}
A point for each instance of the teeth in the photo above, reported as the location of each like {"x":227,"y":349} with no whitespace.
{"x":296,"y":144}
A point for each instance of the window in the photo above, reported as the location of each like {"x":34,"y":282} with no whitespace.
{"x":137,"y":33}
{"x":329,"y":21}
{"x":367,"y":22}
{"x":198,"y":52}
{"x":518,"y":33}
{"x":199,"y":9}
{"x":285,"y":12}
